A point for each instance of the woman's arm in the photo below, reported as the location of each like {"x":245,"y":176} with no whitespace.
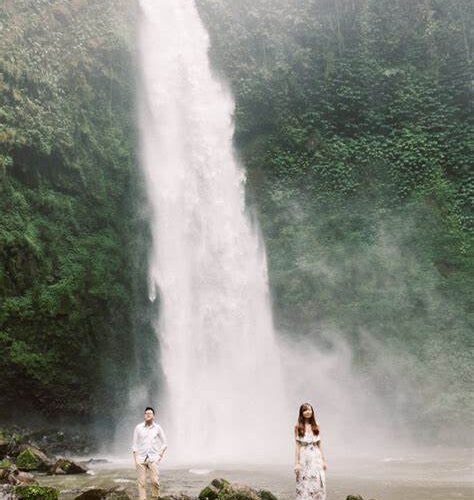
{"x":325,"y":465}
{"x":297,"y":452}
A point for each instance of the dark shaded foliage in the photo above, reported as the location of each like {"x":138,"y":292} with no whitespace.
{"x":72,"y":235}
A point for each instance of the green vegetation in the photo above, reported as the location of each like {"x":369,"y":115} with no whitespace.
{"x":72,"y":234}
{"x":5,"y":463}
{"x":354,"y":122}
{"x":36,"y":493}
{"x":27,"y":460}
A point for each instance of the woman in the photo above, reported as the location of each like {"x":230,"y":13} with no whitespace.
{"x":310,"y":463}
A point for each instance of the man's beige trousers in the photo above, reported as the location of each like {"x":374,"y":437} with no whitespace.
{"x":152,"y":469}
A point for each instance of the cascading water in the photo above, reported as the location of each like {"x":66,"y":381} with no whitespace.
{"x":225,"y":398}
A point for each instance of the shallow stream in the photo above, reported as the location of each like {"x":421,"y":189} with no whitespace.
{"x":438,"y":476}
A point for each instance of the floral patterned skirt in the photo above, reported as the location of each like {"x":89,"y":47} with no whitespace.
{"x":311,"y":480}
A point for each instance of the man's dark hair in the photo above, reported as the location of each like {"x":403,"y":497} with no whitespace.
{"x":149,"y":408}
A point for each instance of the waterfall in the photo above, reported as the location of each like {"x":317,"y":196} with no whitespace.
{"x":225,"y":398}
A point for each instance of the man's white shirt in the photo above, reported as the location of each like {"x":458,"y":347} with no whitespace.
{"x":148,"y":442}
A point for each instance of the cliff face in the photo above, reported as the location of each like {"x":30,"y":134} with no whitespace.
{"x":72,"y":231}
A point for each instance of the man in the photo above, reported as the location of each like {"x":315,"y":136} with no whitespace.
{"x":149,"y":446}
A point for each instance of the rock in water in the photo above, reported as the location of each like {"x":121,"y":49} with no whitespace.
{"x":64,"y":466}
{"x":32,"y":458}
{"x":176,"y":496}
{"x":11,"y":475}
{"x":92,"y":494}
{"x":221,"y":489}
{"x":117,"y":493}
{"x":36,"y":493}
{"x":266,"y":495}
{"x":6,"y":492}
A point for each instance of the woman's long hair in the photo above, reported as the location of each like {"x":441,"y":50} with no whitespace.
{"x":311,"y":420}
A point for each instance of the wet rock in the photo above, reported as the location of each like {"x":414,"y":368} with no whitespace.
{"x":64,"y":466}
{"x":221,"y":489}
{"x":176,"y":496}
{"x":266,"y":495}
{"x":211,"y":491}
{"x":356,"y":497}
{"x":35,"y":492}
{"x":95,"y":461}
{"x":32,"y":458}
{"x":6,"y":492}
{"x":117,"y":493}
{"x":4,"y":445}
{"x":11,"y":475}
{"x":92,"y":494}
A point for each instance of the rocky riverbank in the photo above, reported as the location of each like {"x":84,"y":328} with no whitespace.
{"x":28,"y":458}
{"x":24,"y":454}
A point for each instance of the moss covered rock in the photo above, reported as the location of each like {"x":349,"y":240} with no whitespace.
{"x":117,"y":493}
{"x":64,"y":466}
{"x":36,"y":493}
{"x":31,"y":458}
{"x":5,"y":463}
{"x":221,"y":489}
{"x":266,"y":495}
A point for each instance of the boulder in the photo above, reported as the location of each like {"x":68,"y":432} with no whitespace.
{"x":11,"y":475}
{"x":92,"y":494}
{"x":176,"y":496}
{"x":95,"y":461}
{"x":32,"y":458}
{"x":266,"y":495}
{"x":211,"y":491}
{"x":6,"y":492}
{"x":4,"y":445}
{"x":117,"y":493}
{"x":36,"y":492}
{"x":221,"y":489}
{"x":64,"y":466}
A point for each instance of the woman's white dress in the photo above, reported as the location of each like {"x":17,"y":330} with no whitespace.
{"x":311,"y":480}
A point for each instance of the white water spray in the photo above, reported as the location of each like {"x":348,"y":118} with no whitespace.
{"x":219,"y":354}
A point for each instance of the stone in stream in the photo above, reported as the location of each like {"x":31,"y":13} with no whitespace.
{"x":64,"y":466}
{"x":32,"y":458}
{"x":221,"y":489}
{"x":35,"y":492}
{"x":355,"y":497}
{"x":117,"y":493}
{"x":94,"y":461}
{"x":11,"y":475}
{"x":176,"y":496}
{"x":6,"y":492}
